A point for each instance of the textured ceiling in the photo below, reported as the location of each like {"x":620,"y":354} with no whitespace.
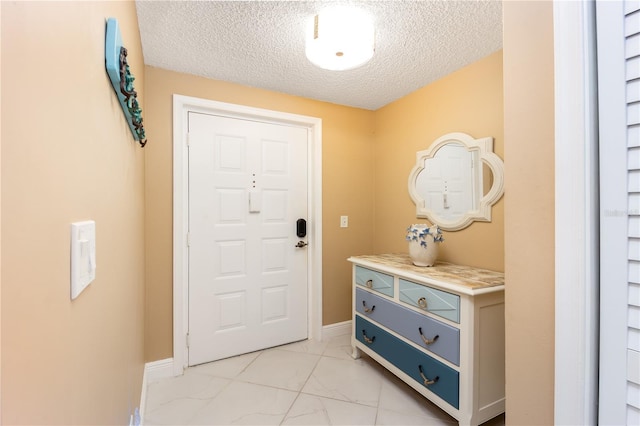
{"x":261,"y":44}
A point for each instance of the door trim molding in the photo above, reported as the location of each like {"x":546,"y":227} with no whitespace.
{"x":576,"y":214}
{"x":181,"y":107}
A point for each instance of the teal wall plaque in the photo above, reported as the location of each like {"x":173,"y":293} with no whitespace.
{"x":115,"y":55}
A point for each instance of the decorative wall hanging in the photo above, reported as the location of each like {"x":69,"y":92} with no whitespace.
{"x":122,"y":80}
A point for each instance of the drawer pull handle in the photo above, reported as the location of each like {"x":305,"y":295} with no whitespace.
{"x":427,"y":381}
{"x":425,"y":340}
{"x":369,"y":283}
{"x":422,"y":302}
{"x":368,"y":310}
{"x":367,"y":339}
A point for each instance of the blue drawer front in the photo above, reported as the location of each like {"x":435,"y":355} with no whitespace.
{"x":410,"y":360}
{"x":438,"y":302}
{"x":378,"y":281}
{"x":411,"y":324}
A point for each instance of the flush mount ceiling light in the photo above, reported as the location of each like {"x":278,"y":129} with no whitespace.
{"x":340,"y":38}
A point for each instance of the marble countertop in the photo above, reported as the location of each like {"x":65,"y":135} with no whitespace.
{"x":474,"y":280}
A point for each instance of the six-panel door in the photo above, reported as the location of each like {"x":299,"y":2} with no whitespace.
{"x":247,"y":279}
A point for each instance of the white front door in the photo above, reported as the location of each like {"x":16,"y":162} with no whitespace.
{"x":247,"y":279}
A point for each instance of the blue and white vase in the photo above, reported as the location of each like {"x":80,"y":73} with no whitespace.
{"x":423,"y":243}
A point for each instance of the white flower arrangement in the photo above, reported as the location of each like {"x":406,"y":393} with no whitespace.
{"x":422,"y":233}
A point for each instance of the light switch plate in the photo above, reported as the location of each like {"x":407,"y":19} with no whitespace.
{"x":83,"y":256}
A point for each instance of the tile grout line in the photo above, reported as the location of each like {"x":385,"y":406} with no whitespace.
{"x":304,"y":384}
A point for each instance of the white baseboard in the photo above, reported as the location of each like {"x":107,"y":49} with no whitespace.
{"x":160,"y":369}
{"x":336,"y":329}
{"x":153,"y":371}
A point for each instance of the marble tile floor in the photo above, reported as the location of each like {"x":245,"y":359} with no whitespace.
{"x":303,"y":383}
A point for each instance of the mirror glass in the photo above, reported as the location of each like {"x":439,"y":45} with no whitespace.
{"x":450,"y":182}
{"x":456,"y":181}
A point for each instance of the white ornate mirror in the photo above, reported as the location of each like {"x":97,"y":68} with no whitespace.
{"x":456,"y":181}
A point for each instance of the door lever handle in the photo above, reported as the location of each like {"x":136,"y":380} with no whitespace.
{"x":301,"y":244}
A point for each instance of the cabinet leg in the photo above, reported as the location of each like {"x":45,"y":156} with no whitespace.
{"x":466,"y":420}
{"x":355,"y":354}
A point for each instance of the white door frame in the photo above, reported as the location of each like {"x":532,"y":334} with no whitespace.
{"x":182,"y":105}
{"x":576,"y":214}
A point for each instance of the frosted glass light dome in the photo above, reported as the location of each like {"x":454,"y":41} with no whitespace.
{"x":340,"y":38}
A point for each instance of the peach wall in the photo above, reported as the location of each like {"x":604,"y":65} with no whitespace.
{"x":468,"y":101}
{"x":529,"y":211}
{"x":347,"y":137}
{"x":0,"y":236}
{"x":68,"y":155}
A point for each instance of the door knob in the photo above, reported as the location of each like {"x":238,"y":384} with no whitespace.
{"x":301,"y":244}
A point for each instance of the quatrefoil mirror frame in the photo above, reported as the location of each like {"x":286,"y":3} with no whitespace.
{"x":484,"y":148}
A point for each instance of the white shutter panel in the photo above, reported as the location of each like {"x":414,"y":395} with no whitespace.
{"x":632,"y":74}
{"x":618,"y":28}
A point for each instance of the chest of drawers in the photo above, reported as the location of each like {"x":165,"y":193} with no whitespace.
{"x":440,"y":329}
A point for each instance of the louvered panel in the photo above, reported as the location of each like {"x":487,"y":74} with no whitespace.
{"x":633,"y":366}
{"x":633,"y":339}
{"x":633,"y":138}
{"x":634,"y":294}
{"x":632,"y":24}
{"x":633,"y":395}
{"x":633,"y":113}
{"x":634,"y":249}
{"x":632,"y":46}
{"x":631,"y":6}
{"x":632,"y":55}
{"x":633,"y":162}
{"x":633,"y":415}
{"x":634,"y":272}
{"x":633,"y":68}
{"x":634,"y":204}
{"x":634,"y":226}
{"x":633,"y":398}
{"x":633,"y":90}
{"x":633,"y":319}
{"x":634,"y":181}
